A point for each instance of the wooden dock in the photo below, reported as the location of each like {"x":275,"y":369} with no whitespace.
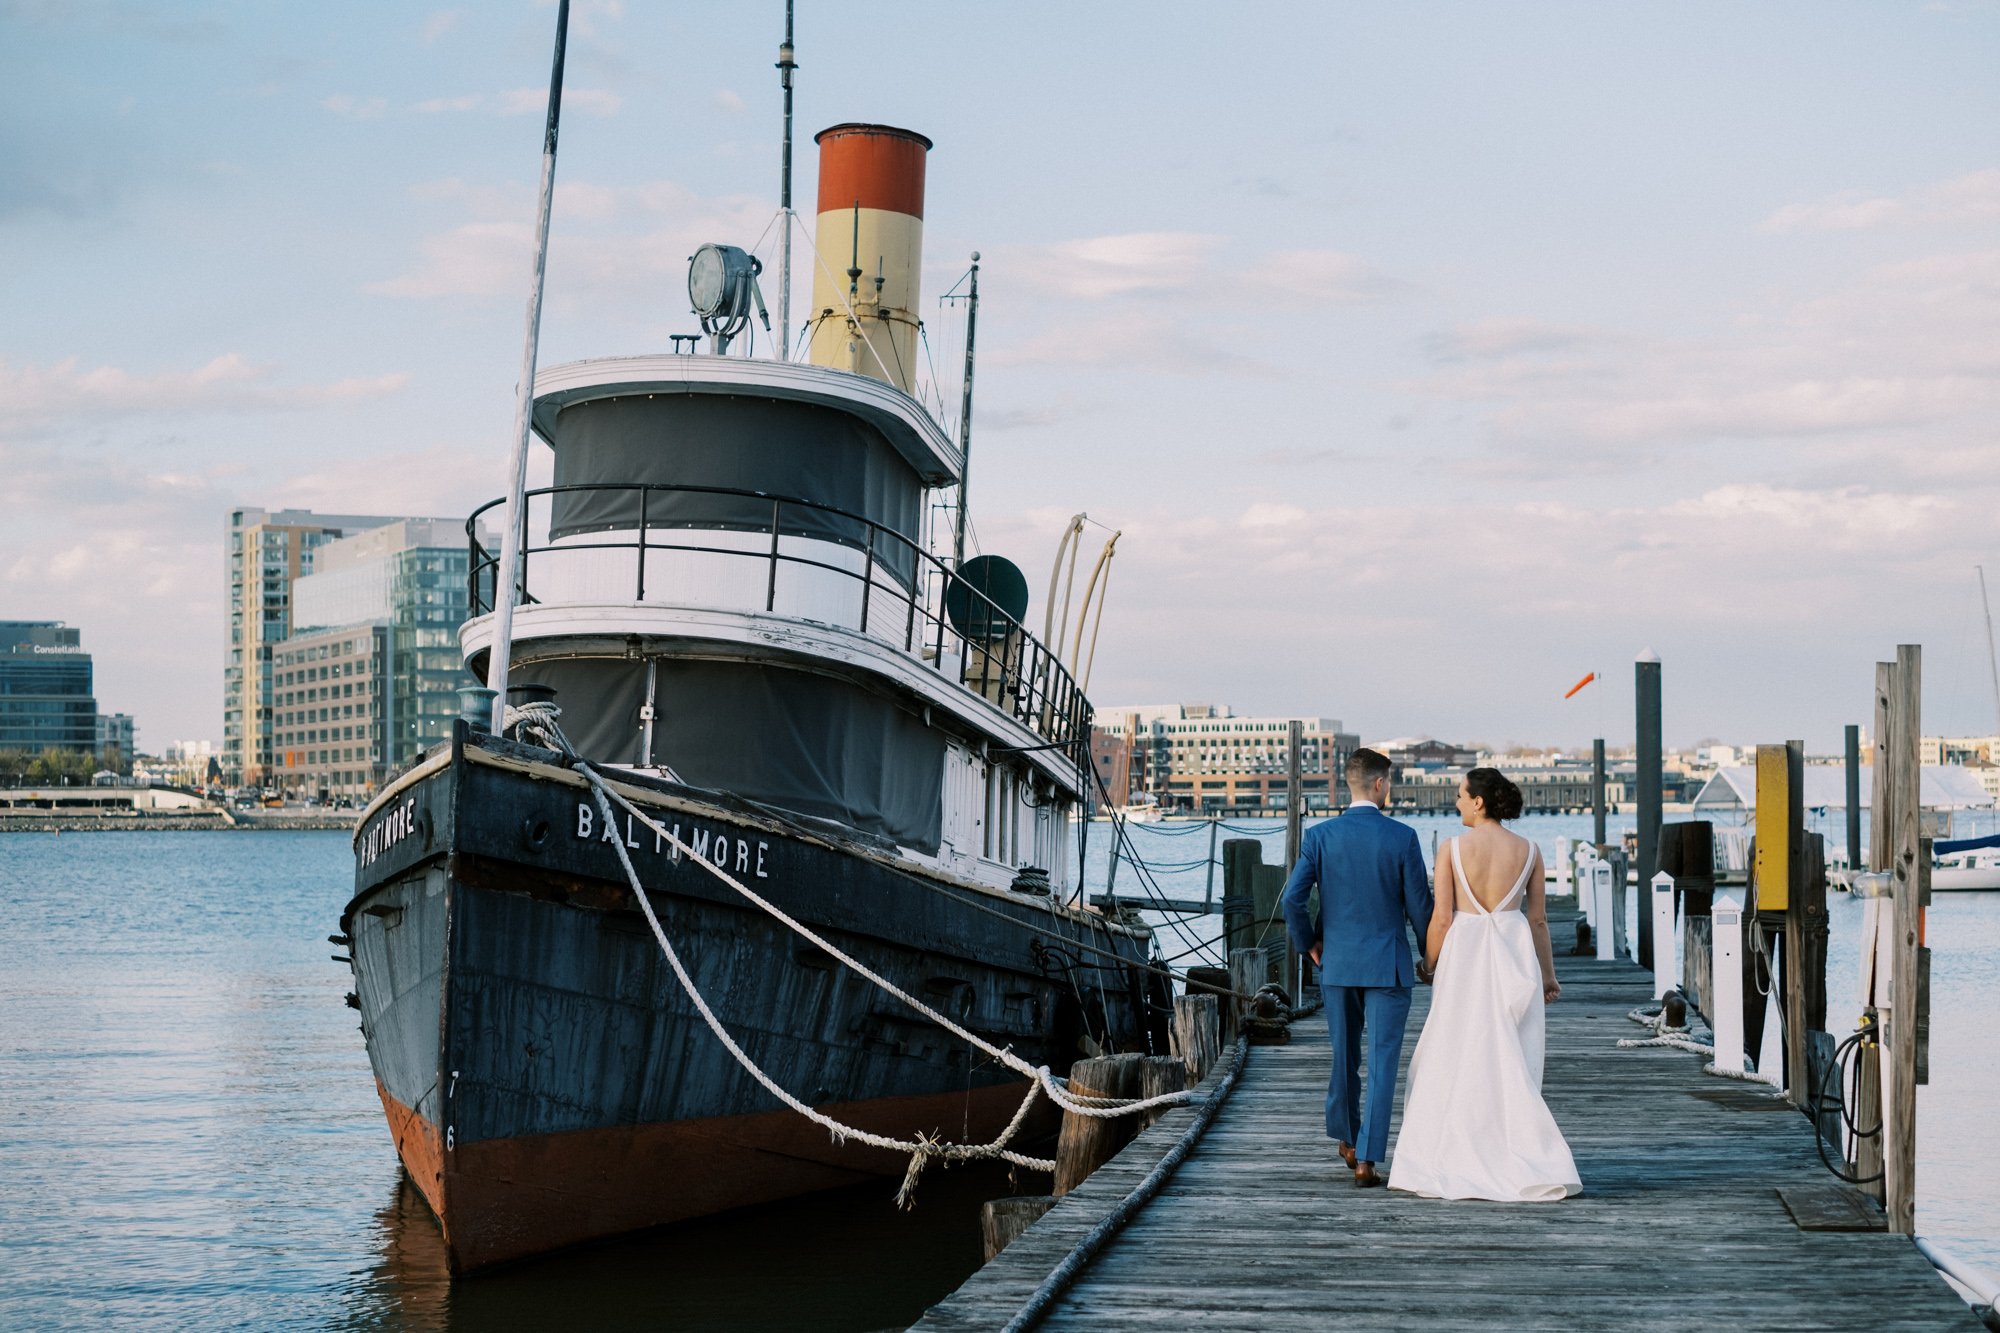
{"x":1682,"y":1224}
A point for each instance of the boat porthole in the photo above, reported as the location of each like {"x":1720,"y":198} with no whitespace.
{"x":535,"y":831}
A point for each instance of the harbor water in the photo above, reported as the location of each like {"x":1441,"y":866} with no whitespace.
{"x":190,"y":1135}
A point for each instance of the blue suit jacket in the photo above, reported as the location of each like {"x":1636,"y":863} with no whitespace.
{"x":1369,"y":870}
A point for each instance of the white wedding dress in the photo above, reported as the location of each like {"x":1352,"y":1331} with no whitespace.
{"x":1474,"y":1122}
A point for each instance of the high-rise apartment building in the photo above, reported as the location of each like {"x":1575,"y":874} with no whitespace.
{"x":265,"y":552}
{"x":45,"y":688}
{"x":369,"y":678}
{"x":1204,"y":757}
{"x":117,"y":741}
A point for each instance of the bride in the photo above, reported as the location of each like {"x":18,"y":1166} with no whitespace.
{"x":1474,"y":1122}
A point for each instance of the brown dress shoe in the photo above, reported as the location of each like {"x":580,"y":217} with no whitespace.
{"x":1346,"y":1152}
{"x":1366,"y":1176}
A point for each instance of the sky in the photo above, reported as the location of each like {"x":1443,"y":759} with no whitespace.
{"x":1426,"y":356}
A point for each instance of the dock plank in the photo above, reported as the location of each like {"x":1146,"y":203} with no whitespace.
{"x":1682,"y":1223}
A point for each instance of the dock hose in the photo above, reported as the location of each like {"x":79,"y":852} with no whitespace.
{"x":540,"y":719}
{"x":1849,"y":1094}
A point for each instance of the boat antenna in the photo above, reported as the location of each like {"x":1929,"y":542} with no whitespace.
{"x":1992,"y":663}
{"x":965,"y":414}
{"x":785,"y":67}
{"x":508,"y":576}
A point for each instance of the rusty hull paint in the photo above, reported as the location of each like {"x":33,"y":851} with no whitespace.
{"x":502,"y":1200}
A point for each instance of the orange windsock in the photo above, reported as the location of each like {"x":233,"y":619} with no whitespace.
{"x":1579,"y":685}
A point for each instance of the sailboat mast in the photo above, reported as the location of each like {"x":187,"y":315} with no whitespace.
{"x":507,"y":577}
{"x":1992,"y":663}
{"x":785,"y":67}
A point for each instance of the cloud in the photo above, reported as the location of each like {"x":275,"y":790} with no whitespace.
{"x":1097,"y":267}
{"x":1457,"y":615}
{"x":1488,"y":339}
{"x":440,"y":23}
{"x":1316,"y":278}
{"x":355,"y":108}
{"x":1133,"y":340}
{"x":725,"y":100}
{"x":619,"y":246}
{"x":1901,"y":346}
{"x":1167,"y":263}
{"x":1971,"y":198}
{"x":535,"y":101}
{"x":36,"y":397}
{"x":432,"y":106}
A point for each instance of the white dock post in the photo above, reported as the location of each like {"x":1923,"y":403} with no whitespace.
{"x":1586,"y":895}
{"x":1664,"y":939}
{"x":1725,"y":988}
{"x":1631,"y":914}
{"x":1563,"y":871}
{"x":1602,"y":926}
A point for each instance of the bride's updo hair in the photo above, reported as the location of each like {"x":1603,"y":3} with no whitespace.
{"x":1500,"y":793}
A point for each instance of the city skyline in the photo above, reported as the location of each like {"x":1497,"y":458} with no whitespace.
{"x":1506,"y":348}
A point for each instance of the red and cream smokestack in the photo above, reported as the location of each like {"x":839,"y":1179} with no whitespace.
{"x":870,"y":237}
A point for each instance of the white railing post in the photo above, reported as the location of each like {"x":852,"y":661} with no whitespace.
{"x":1586,"y":896}
{"x":1664,"y":939}
{"x":1725,"y":988}
{"x":1604,"y":927}
{"x":1564,"y":873}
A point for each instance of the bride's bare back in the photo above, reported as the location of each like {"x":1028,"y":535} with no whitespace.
{"x":1493,"y":861}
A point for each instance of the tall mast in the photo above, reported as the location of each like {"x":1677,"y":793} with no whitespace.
{"x":785,"y":67}
{"x":965,"y":415}
{"x":507,"y":577}
{"x":1992,"y":663}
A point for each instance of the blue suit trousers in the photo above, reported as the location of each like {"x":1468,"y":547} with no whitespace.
{"x":1381,"y":1013}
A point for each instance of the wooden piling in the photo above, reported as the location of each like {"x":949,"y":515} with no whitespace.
{"x":1158,"y":1076}
{"x":1646,"y":690}
{"x":1001,"y":1221}
{"x":1899,"y":1147}
{"x":1853,"y":746}
{"x":1197,"y":1034}
{"x":1597,"y":792}
{"x":1868,"y":1072}
{"x":1087,"y":1141}
{"x":1248,"y":971}
{"x":1795,"y":965}
{"x":1295,"y":834}
{"x":1240,"y":859}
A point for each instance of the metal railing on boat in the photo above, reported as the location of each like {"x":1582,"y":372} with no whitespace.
{"x":902,"y":588}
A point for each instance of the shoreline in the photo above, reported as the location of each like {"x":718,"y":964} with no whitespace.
{"x":176,"y":824}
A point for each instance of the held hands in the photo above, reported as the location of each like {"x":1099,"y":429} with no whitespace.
{"x":1426,"y":972}
{"x":1314,"y":953}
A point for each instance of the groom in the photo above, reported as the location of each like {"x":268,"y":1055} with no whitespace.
{"x":1370,"y":874}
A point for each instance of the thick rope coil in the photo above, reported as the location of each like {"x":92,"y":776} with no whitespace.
{"x":1676,"y":1038}
{"x":1681,"y":1039}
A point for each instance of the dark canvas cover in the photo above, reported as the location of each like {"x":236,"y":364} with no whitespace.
{"x":805,"y":742}
{"x":773,"y":447}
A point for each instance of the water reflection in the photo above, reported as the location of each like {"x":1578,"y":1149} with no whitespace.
{"x":844,"y":1260}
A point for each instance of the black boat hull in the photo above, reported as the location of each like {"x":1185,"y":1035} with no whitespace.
{"x":548,"y":1081}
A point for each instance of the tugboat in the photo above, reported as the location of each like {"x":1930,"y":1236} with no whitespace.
{"x":729,"y":593}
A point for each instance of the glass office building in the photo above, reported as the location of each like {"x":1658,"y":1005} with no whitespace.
{"x":45,"y":688}
{"x":266,"y":552}
{"x":402,"y":587}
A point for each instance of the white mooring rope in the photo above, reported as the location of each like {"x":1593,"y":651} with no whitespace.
{"x":540,"y":718}
{"x":1681,"y":1039}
